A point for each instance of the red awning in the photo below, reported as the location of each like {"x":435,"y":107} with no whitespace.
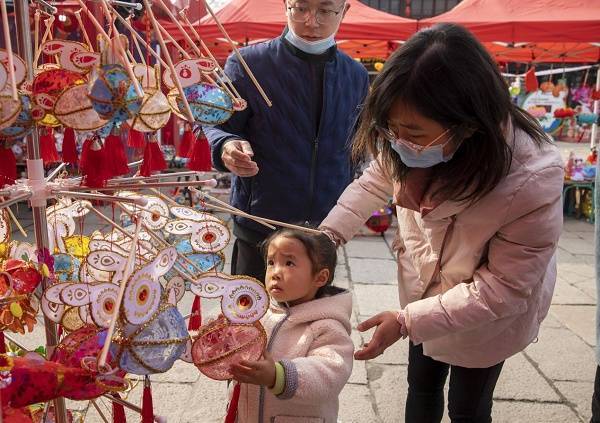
{"x":566,"y":21}
{"x":256,"y":19}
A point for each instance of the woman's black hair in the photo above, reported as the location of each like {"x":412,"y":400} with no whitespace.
{"x":320,"y":250}
{"x":446,"y":75}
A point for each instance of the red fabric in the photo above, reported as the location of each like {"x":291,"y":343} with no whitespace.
{"x":48,"y":150}
{"x":200,"y":155}
{"x":195,"y":318}
{"x":532,"y":21}
{"x":531,"y":81}
{"x":69,"y":147}
{"x":2,"y":343}
{"x":115,"y":151}
{"x":186,"y":143}
{"x":154,"y":160}
{"x":544,"y":52}
{"x":147,"y":407}
{"x":93,"y":167}
{"x":8,"y":166}
{"x":135,"y":139}
{"x":255,"y":19}
{"x":233,"y":405}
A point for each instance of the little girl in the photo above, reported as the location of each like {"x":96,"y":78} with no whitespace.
{"x":308,"y":358}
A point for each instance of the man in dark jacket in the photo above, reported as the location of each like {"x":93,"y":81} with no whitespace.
{"x":291,"y":161}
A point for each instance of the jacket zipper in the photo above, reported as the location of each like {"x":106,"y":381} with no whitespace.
{"x":315,"y":150}
{"x":261,"y":396}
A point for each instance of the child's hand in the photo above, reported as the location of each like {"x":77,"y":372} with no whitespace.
{"x":261,"y":372}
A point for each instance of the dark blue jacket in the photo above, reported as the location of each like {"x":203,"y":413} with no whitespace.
{"x":303,"y":168}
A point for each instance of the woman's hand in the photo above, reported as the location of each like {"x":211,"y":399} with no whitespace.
{"x":260,"y":372}
{"x":388,"y":331}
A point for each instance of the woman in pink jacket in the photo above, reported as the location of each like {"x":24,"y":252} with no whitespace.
{"x":477,"y":186}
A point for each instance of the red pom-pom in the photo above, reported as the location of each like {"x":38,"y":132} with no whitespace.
{"x":48,"y":150}
{"x":93,"y":164}
{"x":154,"y":160}
{"x":186,"y":143}
{"x":200,"y":155}
{"x":115,"y":151}
{"x":531,"y":82}
{"x":69,"y":147}
{"x":135,"y":139}
{"x":8,"y":166}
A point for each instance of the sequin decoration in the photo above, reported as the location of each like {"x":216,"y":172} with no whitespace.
{"x":154,"y":346}
{"x":221,"y":344}
{"x":210,"y":105}
{"x":113,"y":94}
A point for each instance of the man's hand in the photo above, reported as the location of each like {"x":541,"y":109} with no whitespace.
{"x":261,"y":372}
{"x":388,"y":331}
{"x":237,"y":157}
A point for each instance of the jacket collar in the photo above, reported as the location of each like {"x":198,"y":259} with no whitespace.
{"x":325,"y":57}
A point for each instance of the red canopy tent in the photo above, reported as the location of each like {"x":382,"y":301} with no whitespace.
{"x":565,"y":21}
{"x":247,"y":20}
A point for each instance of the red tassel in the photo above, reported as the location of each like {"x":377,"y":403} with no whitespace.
{"x":200,"y":155}
{"x":48,"y":150}
{"x":531,"y":82}
{"x":118,"y":411}
{"x":115,"y":151}
{"x":186,"y":143}
{"x":2,"y":343}
{"x":135,"y":139}
{"x":69,"y":147}
{"x":195,"y":318}
{"x":8,"y":166}
{"x":154,"y":160}
{"x":233,"y":405}
{"x":147,"y":407}
{"x":93,"y":167}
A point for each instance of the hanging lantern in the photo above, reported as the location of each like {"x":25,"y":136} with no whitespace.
{"x":210,"y":105}
{"x":113,"y":94}
{"x":221,"y":344}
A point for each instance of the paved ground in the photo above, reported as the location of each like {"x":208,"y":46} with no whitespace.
{"x":551,"y":381}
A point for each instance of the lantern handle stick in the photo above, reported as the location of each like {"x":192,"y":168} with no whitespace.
{"x":139,"y":37}
{"x":237,"y":53}
{"x":165,"y":51}
{"x":135,"y":42}
{"x":94,"y":20}
{"x":188,"y":40}
{"x":8,"y":45}
{"x":117,"y":308}
{"x":36,"y":33}
{"x":234,"y":93}
{"x":83,"y":31}
{"x":121,"y":50}
{"x":48,"y":22}
{"x":186,"y":55}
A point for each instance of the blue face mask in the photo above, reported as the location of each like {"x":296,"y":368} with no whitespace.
{"x":413,"y":155}
{"x":310,"y":47}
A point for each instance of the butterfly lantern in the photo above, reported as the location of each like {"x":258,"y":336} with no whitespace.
{"x":155,"y":109}
{"x":209,"y":104}
{"x":151,"y":333}
{"x":10,"y":108}
{"x":237,"y":334}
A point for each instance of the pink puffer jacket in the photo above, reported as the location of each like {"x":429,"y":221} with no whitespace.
{"x":483,"y":300}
